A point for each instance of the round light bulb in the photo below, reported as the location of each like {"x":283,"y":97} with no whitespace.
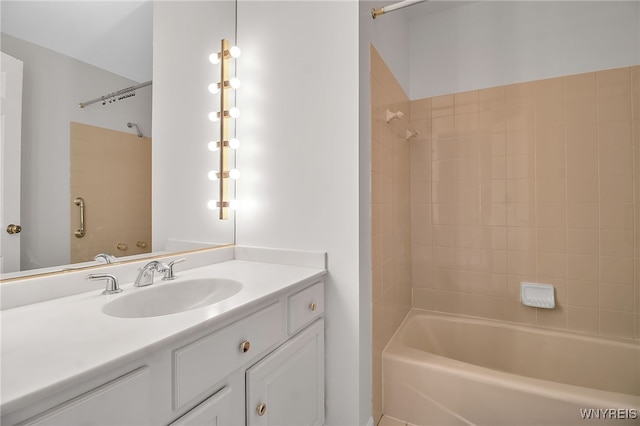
{"x":213,"y":116}
{"x":213,"y":146}
{"x":214,"y":58}
{"x":234,"y":143}
{"x":214,"y":88}
{"x":234,"y":112}
{"x":212,"y":204}
{"x":235,"y":52}
{"x":234,"y":173}
{"x":234,"y":204}
{"x":234,"y":83}
{"x":213,"y":175}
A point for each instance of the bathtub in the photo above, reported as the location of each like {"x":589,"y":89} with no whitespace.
{"x":441,"y":369}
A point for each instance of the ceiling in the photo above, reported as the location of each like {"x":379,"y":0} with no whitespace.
{"x":113,"y":35}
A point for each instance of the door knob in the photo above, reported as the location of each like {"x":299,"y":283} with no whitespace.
{"x":261,"y":409}
{"x":14,"y":229}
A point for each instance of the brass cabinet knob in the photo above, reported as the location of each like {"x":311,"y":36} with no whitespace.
{"x":261,"y":409}
{"x":141,"y":244}
{"x":244,"y":346}
{"x":313,"y":306}
{"x":14,"y":229}
{"x":122,"y":246}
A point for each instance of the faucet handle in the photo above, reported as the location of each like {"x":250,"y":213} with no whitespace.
{"x":112,"y":282}
{"x":108,"y":258}
{"x":168,"y":270}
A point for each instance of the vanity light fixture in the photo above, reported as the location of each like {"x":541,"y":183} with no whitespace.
{"x":215,"y":204}
{"x":224,"y":143}
{"x":231,"y":174}
{"x":230,"y":113}
{"x":214,"y":88}
{"x":234,"y":83}
{"x":233,"y":112}
{"x":232,"y":143}
{"x":234,"y":52}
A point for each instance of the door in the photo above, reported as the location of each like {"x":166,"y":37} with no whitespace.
{"x":123,"y":401}
{"x":214,"y":411}
{"x":10,"y":143}
{"x":287,"y":386}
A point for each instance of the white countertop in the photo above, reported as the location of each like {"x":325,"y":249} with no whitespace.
{"x":55,"y":343}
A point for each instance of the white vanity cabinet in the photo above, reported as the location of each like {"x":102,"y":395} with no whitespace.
{"x":201,"y":364}
{"x":278,"y":352}
{"x":260,"y":365}
{"x":287,"y":386}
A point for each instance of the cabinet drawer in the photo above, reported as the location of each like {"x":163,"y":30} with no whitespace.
{"x":305,"y":306}
{"x":201,"y":364}
{"x":123,"y":401}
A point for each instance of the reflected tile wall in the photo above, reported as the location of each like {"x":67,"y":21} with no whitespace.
{"x":391,"y":215}
{"x":538,"y":181}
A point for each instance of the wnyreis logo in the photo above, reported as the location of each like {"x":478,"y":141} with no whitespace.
{"x":609,"y":413}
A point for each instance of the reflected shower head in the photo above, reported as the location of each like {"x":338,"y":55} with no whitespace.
{"x":130,"y":125}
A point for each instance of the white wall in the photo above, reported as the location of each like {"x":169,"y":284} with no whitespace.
{"x":54,"y":84}
{"x":492,"y":43}
{"x":185,"y":33}
{"x":299,"y":159}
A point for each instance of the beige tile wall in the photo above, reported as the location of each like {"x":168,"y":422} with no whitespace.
{"x":111,"y":170}
{"x":391,"y":220}
{"x":538,"y":181}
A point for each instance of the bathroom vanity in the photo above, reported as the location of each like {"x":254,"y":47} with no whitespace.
{"x":256,"y":357}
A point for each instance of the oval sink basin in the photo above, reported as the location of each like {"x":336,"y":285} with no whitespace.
{"x":171,"y":298}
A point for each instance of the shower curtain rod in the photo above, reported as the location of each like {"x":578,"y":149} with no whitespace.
{"x":127,"y":90}
{"x":395,"y":6}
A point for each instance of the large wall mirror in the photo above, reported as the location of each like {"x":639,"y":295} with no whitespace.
{"x":96,"y":167}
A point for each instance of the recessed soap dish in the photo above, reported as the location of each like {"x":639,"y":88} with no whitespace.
{"x":537,"y":295}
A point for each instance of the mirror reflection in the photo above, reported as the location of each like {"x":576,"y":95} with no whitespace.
{"x":76,"y":52}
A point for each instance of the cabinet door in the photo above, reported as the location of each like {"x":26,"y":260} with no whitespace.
{"x":287,"y":386}
{"x":123,"y":401}
{"x":214,"y":411}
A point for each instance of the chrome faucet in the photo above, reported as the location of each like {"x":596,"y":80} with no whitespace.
{"x":168,"y":270}
{"x":108,"y":258}
{"x":146,"y":273}
{"x":112,"y":282}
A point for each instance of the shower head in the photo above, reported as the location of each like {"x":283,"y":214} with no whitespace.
{"x":130,"y":125}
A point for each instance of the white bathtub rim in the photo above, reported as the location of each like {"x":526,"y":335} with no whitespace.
{"x":590,"y":398}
